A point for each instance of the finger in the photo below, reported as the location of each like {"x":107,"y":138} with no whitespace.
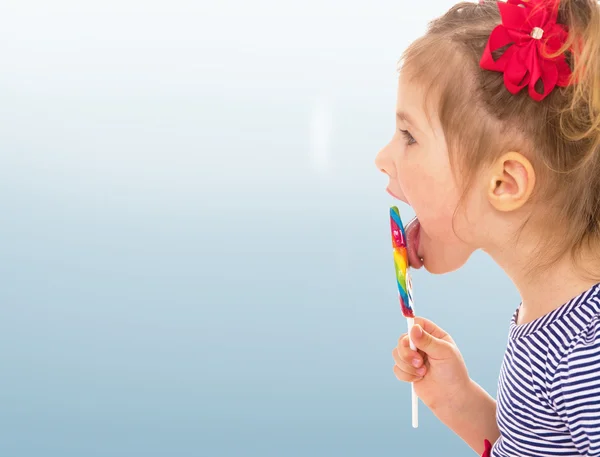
{"x":402,"y":376}
{"x":433,"y":329}
{"x":435,"y":348}
{"x":411,"y":357}
{"x":404,"y":341}
{"x":403,"y":337}
{"x":406,"y":364}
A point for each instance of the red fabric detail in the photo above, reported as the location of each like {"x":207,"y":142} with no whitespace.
{"x":488,"y":449}
{"x":527,"y":59}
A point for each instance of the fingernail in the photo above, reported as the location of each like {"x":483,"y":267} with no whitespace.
{"x":416,"y":363}
{"x":421,"y":371}
{"x":419,"y":331}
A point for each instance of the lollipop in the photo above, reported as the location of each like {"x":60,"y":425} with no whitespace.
{"x":404,"y":288}
{"x":401,"y":263}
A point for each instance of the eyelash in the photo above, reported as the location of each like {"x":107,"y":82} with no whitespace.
{"x":408,"y":137}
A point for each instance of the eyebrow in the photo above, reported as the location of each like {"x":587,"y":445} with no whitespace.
{"x":406,"y":117}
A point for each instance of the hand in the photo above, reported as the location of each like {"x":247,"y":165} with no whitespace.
{"x":437,"y":367}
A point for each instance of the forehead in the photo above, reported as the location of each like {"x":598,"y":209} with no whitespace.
{"x":411,"y":100}
{"x":408,"y":92}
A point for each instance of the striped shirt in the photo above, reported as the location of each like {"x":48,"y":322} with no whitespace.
{"x":549,"y":388}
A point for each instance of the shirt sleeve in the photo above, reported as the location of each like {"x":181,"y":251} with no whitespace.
{"x":576,"y":390}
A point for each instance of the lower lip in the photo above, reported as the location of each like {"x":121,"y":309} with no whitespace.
{"x":390,"y":192}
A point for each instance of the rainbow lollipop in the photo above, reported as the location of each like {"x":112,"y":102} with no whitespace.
{"x":401,"y":263}
{"x":404,"y":288}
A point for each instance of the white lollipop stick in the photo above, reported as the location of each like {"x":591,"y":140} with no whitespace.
{"x":411,"y":321}
{"x":414,"y":398}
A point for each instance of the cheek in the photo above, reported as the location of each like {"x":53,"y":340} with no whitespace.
{"x":437,"y":220}
{"x":432,"y":194}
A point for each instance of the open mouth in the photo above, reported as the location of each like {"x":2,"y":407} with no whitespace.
{"x":413,"y":235}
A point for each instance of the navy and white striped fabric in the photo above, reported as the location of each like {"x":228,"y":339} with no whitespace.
{"x":549,"y":386}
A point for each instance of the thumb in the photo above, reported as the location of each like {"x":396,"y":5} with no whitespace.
{"x":429,"y":344}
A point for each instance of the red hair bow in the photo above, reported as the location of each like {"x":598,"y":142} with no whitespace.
{"x":530,"y":30}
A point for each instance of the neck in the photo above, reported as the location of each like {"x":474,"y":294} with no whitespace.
{"x":544,"y":291}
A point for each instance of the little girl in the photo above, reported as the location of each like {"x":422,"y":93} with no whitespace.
{"x":497,"y":147}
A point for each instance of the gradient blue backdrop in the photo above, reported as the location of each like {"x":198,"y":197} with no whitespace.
{"x":194,"y":239}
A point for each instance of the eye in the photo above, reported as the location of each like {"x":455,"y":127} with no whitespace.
{"x":408,"y":137}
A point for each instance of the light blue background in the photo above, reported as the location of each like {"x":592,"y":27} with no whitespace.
{"x":195,"y":241}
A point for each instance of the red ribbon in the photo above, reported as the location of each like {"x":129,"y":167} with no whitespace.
{"x":530,"y":28}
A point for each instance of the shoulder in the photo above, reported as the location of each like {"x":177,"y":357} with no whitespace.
{"x":584,"y":325}
{"x":578,"y":328}
{"x":578,"y":369}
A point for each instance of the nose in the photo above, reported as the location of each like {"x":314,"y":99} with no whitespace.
{"x":384,"y":162}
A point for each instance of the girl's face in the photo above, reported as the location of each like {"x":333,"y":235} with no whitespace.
{"x":417,"y":164}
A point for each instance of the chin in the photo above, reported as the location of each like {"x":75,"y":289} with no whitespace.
{"x":440,"y":269}
{"x":443,"y":265}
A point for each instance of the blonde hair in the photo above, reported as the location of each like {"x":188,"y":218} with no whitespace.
{"x":482,"y":120}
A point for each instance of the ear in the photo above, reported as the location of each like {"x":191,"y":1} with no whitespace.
{"x":511,"y":182}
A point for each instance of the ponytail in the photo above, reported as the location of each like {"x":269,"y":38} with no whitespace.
{"x":581,"y":119}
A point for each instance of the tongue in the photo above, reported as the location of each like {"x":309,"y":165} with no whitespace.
{"x":413,"y":232}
